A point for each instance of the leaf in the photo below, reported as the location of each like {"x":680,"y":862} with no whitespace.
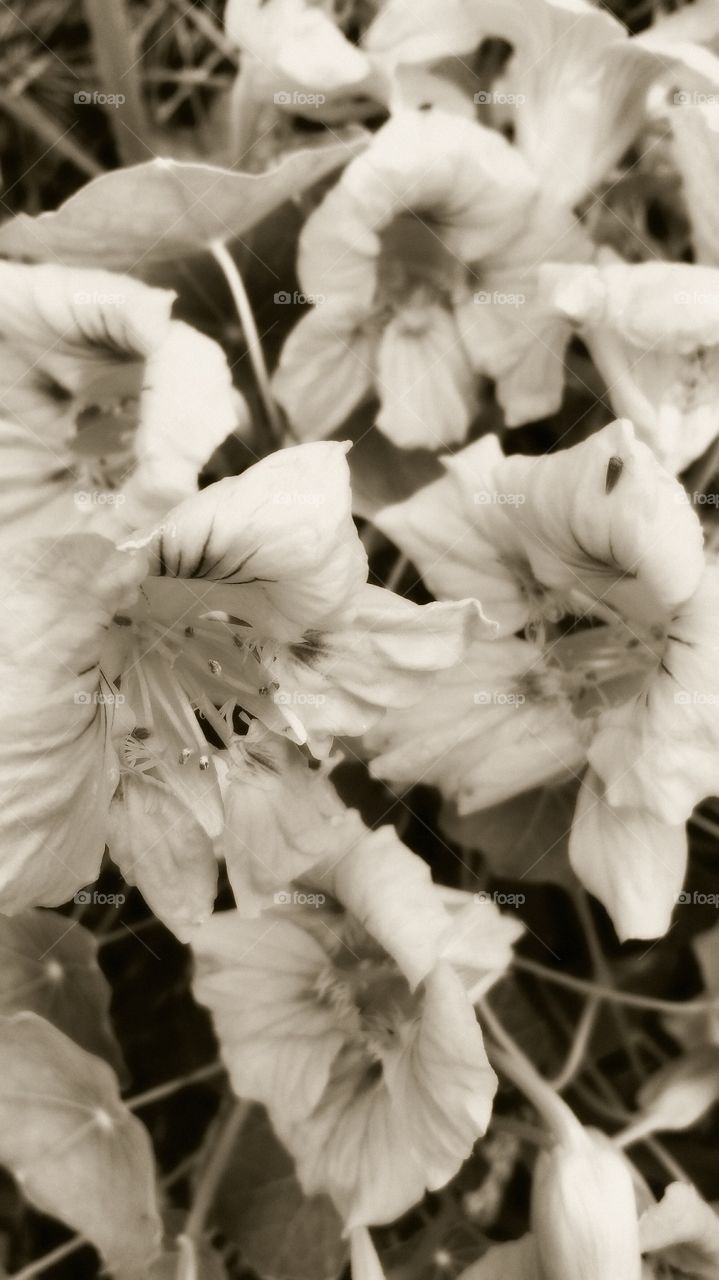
{"x":282,"y":1234}
{"x":382,"y":473}
{"x":72,"y":1144}
{"x":130,"y":218}
{"x":524,"y":838}
{"x":48,"y":966}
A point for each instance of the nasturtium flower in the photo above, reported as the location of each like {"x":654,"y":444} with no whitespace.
{"x":250,"y":597}
{"x":392,"y":258}
{"x":653,"y":332}
{"x":594,"y":555}
{"x":109,"y":408}
{"x":346,"y":1009}
{"x":572,"y":97}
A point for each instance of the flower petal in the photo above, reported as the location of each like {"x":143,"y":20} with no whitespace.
{"x":58,"y":768}
{"x":166,"y":853}
{"x":632,"y":863}
{"x":276,"y":545}
{"x":426,"y":381}
{"x":476,"y":735}
{"x":603,"y":520}
{"x":683,"y":1230}
{"x":257,"y":979}
{"x":325,"y":369}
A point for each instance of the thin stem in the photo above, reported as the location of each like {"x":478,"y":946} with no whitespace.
{"x":516,"y":1065}
{"x":235,"y":284}
{"x":173,"y":1086}
{"x":212,"y":1173}
{"x":579,"y":1047}
{"x":47,"y":1260}
{"x":631,"y":998}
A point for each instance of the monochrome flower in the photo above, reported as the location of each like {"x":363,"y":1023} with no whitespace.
{"x":390,"y":256}
{"x":599,"y":532}
{"x":253,"y":596}
{"x":344,"y":1010}
{"x":109,"y":408}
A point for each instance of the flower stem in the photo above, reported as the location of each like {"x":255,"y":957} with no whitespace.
{"x":235,"y":284}
{"x":634,"y":999}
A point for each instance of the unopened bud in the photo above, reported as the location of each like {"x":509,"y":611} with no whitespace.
{"x":584,"y":1212}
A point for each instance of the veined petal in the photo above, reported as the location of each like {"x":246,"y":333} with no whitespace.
{"x":257,"y":977}
{"x":659,"y":751}
{"x":275,"y":545}
{"x":426,"y":382}
{"x":492,"y":726}
{"x":283,"y":817}
{"x":325,"y":369}
{"x":479,"y":940}
{"x":389,"y":890}
{"x":166,"y":853}
{"x":631,"y":862}
{"x":36,"y":491}
{"x":603,"y":520}
{"x":383,"y":656}
{"x":376,"y":1145}
{"x":188,"y":407}
{"x":75,"y":321}
{"x":58,"y":768}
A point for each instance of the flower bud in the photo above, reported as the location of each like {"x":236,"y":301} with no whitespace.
{"x":584,"y":1212}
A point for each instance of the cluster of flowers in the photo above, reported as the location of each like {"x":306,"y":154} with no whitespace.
{"x":178,"y":663}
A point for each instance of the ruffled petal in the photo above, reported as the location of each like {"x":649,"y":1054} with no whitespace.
{"x":634,"y":864}
{"x":187,"y":408}
{"x":257,"y":977}
{"x":325,"y":370}
{"x":377,"y":1144}
{"x":696,"y":154}
{"x":384,"y":656}
{"x":484,"y":731}
{"x":283,"y":817}
{"x":660,"y":750}
{"x":603,"y":520}
{"x":389,"y":890}
{"x":166,"y":853}
{"x":58,"y":768}
{"x":276,"y":546}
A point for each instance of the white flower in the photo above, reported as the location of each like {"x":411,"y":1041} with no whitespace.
{"x":251,"y":597}
{"x":653,"y":331}
{"x":597,"y":531}
{"x":390,"y":257}
{"x":342,"y":1009}
{"x":108,"y":407}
